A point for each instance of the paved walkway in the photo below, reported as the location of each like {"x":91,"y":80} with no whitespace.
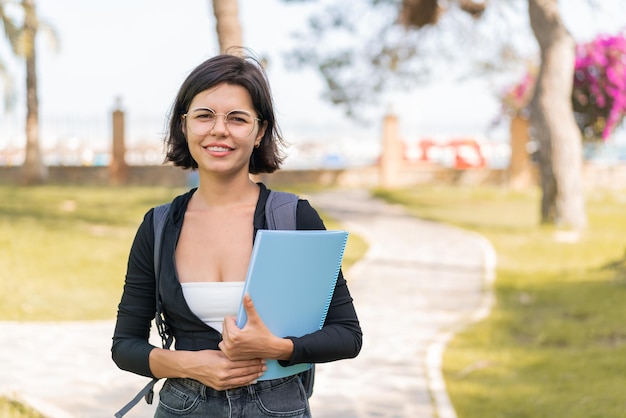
{"x":417,"y":285}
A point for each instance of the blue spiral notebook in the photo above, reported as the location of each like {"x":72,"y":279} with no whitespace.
{"x":291,"y":279}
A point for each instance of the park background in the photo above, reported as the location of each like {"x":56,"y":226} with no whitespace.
{"x":134,"y":55}
{"x":557,"y":322}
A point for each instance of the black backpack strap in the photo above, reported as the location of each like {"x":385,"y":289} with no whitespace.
{"x":159,"y":216}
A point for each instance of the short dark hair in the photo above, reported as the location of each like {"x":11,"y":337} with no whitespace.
{"x":244,"y":71}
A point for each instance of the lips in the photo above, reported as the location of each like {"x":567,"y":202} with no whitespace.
{"x":215,"y":148}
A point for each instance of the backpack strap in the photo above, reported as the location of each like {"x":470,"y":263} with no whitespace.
{"x":159,"y":216}
{"x":280,"y":210}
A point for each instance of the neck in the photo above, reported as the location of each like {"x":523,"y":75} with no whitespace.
{"x":213,"y":192}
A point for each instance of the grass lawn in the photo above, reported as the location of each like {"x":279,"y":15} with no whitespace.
{"x":63,"y":250}
{"x":555,"y":343}
{"x":10,"y":408}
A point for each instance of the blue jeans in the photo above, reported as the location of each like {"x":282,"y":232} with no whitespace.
{"x":284,"y":397}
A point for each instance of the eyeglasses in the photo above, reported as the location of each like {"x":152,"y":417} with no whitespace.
{"x":201,"y":120}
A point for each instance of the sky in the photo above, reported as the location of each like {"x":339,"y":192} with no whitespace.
{"x":140,"y":51}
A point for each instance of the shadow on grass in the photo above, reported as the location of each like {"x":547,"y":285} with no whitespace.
{"x":556,"y":348}
{"x":618,"y":267}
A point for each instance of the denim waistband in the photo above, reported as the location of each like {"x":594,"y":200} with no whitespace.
{"x":206,"y":391}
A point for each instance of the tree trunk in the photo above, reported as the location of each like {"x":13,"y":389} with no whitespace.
{"x":227,"y":24}
{"x":34,"y":171}
{"x":552,"y":120}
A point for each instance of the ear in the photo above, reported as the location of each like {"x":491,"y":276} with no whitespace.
{"x":183,"y":125}
{"x":259,"y":135}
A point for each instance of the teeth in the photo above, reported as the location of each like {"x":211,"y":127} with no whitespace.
{"x":218,"y":149}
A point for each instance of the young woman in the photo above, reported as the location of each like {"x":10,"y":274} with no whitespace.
{"x":222,"y":125}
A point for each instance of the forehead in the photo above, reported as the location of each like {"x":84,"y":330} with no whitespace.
{"x":223,"y":97}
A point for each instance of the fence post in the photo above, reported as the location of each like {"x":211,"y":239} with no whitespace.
{"x":391,"y":156}
{"x":118,"y":169}
{"x":520,"y":167}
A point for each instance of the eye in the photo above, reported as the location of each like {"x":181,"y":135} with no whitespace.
{"x":202,"y":114}
{"x":239,"y":118}
{"x":205,"y":115}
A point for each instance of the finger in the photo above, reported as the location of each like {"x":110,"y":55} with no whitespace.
{"x":250,"y":372}
{"x":243,"y":372}
{"x":229,"y":327}
{"x":249,"y":306}
{"x":247,"y":366}
{"x":229,"y":333}
{"x":224,"y":330}
{"x":238,"y":373}
{"x":229,"y":323}
{"x":243,"y":381}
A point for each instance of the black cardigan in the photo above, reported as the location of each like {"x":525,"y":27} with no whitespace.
{"x":339,"y":338}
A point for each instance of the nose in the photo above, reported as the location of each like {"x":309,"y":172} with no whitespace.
{"x":220,"y":126}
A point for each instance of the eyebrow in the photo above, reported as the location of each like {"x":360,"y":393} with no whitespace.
{"x":196,"y":109}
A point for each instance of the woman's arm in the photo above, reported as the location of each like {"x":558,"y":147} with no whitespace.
{"x":131,"y":349}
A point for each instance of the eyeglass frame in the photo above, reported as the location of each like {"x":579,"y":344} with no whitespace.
{"x":225,"y":118}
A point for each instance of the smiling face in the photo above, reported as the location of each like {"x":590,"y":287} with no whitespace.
{"x":216,"y":149}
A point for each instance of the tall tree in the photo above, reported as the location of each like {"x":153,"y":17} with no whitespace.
{"x":352,"y":78}
{"x":227,"y":24}
{"x":6,"y":78}
{"x":21,"y":39}
{"x":34,"y":169}
{"x":552,"y":119}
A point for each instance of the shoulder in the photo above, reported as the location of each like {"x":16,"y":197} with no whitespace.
{"x":176,"y":207}
{"x":307,"y":217}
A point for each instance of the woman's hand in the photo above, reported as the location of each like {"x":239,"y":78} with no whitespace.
{"x":217,"y":371}
{"x":210,"y":367}
{"x":254,"y":340}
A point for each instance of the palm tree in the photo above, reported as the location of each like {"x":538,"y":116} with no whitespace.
{"x":227,"y":24}
{"x":22,"y":42}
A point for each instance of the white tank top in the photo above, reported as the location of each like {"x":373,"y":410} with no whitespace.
{"x":212,"y":301}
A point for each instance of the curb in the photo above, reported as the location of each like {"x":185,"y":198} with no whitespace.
{"x":434,"y":353}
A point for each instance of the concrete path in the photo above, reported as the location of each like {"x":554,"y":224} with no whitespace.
{"x":418,"y":284}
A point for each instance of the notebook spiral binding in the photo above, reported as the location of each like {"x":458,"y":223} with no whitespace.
{"x":330,"y":295}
